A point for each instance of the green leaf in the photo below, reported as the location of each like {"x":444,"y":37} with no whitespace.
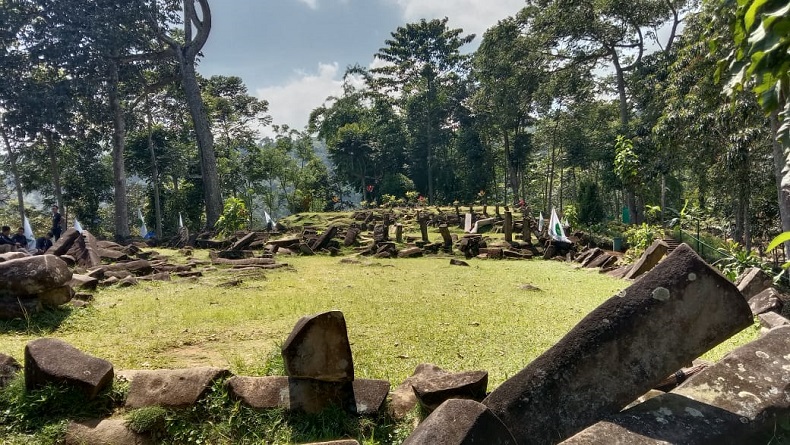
{"x":781,"y":238}
{"x":751,"y":13}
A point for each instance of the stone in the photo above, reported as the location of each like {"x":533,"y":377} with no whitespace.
{"x":295,"y":394}
{"x":753,"y":281}
{"x":410,"y":252}
{"x":590,"y":256}
{"x":103,"y":432}
{"x":461,"y":422}
{"x":119,"y":274}
{"x":83,"y":282}
{"x":127,"y":282}
{"x":163,"y":276}
{"x":56,"y":296}
{"x":32,"y":275}
{"x":599,"y":261}
{"x":112,"y":255}
{"x":89,"y":256}
{"x":735,"y":401}
{"x":403,"y":398}
{"x":136,"y":267}
{"x":49,"y":360}
{"x":171,"y":388}
{"x":455,"y":262}
{"x":244,"y":241}
{"x":335,"y":442}
{"x":235,"y":254}
{"x":318,"y":348}
{"x":630,"y":343}
{"x":12,"y":256}
{"x":768,"y":300}
{"x":9,"y":368}
{"x":64,"y":243}
{"x":772,"y":320}
{"x":110,"y":281}
{"x":15,"y":307}
{"x":369,"y":396}
{"x":434,"y":391}
{"x":648,"y":260}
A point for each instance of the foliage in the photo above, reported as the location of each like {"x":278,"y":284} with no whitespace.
{"x":737,"y":259}
{"x":234,"y":216}
{"x":591,"y":209}
{"x":571,"y":214}
{"x":150,"y":419}
{"x":626,"y":161}
{"x":640,"y":237}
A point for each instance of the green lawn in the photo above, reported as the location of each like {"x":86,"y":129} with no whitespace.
{"x":399,"y":313}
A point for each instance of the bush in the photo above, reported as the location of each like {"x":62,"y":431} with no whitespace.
{"x":641,"y":237}
{"x":234,"y":216}
{"x":590,"y":206}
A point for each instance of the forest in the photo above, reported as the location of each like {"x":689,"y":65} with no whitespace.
{"x":611,"y":110}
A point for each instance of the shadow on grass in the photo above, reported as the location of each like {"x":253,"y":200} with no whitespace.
{"x":44,"y":322}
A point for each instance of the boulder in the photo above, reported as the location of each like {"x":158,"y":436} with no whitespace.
{"x":64,"y":243}
{"x":600,"y":261}
{"x":461,"y":422}
{"x":770,"y":320}
{"x":410,"y":252}
{"x":49,"y":360}
{"x":104,"y":432}
{"x":15,"y":307}
{"x":9,"y":368}
{"x":432,"y":392}
{"x":136,"y":267}
{"x":455,"y":262}
{"x":318,"y":348}
{"x":648,"y":260}
{"x":403,"y":398}
{"x":83,"y":282}
{"x":591,"y":256}
{"x":753,"y":281}
{"x":323,"y":241}
{"x":128,"y":282}
{"x":629,"y":344}
{"x":738,"y":400}
{"x":768,"y":300}
{"x":171,"y":388}
{"x":12,"y":256}
{"x":112,"y":255}
{"x":244,"y":241}
{"x":56,"y":296}
{"x":32,"y":275}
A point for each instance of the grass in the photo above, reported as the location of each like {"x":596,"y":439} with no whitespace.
{"x":399,"y":313}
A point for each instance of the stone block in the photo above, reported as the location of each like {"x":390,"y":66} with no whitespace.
{"x":648,"y":260}
{"x":171,"y":388}
{"x":461,"y":422}
{"x":753,"y":281}
{"x":49,"y":360}
{"x":103,"y":432}
{"x":432,"y":392}
{"x":32,"y":275}
{"x":768,"y":300}
{"x":318,"y":348}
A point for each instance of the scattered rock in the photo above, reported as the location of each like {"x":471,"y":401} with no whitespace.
{"x":753,"y":281}
{"x":49,"y":360}
{"x":318,"y":348}
{"x":9,"y":368}
{"x":768,"y":300}
{"x":104,"y":432}
{"x":434,"y":391}
{"x":461,"y":422}
{"x":56,"y":296}
{"x":648,"y":260}
{"x":32,"y":275}
{"x":772,"y":320}
{"x":456,"y":262}
{"x":403,"y":398}
{"x":171,"y":388}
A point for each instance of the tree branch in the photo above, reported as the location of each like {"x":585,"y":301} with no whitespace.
{"x":193,"y":47}
{"x":641,"y":51}
{"x":675,"y":23}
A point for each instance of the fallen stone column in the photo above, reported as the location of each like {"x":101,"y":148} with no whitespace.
{"x":735,"y":401}
{"x":630,"y":343}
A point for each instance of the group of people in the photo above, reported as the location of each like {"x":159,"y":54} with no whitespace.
{"x":19,"y":242}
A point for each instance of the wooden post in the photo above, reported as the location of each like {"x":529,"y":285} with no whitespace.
{"x":399,"y":233}
{"x":509,"y":226}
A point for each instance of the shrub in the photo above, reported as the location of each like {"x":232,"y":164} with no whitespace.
{"x":590,"y":205}
{"x":234,"y":216}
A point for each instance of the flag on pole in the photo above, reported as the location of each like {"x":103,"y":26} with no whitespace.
{"x":77,"y":225}
{"x":555,"y":228}
{"x":180,"y":221}
{"x":143,"y":228}
{"x":269,"y":219}
{"x":540,"y":223}
{"x":31,"y":239}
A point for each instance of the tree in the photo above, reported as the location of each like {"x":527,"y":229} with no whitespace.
{"x":423,"y":62}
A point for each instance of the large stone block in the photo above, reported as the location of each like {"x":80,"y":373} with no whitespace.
{"x":49,"y":360}
{"x":753,"y":281}
{"x":15,"y":307}
{"x":403,"y":398}
{"x":103,"y":432}
{"x":648,"y":260}
{"x":462,"y":385}
{"x":736,"y":401}
{"x":56,"y":296}
{"x":64,"y":243}
{"x":9,"y":368}
{"x":32,"y":275}
{"x":626,"y":346}
{"x":768,"y":300}
{"x":318,"y":348}
{"x":171,"y":388}
{"x":461,"y":422}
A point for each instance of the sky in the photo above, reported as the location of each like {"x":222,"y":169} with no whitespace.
{"x":293,"y":53}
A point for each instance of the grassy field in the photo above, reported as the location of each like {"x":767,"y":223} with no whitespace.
{"x":399,"y":313}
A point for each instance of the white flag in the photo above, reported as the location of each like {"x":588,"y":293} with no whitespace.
{"x":31,"y":239}
{"x":180,"y":221}
{"x":77,"y":225}
{"x":540,"y":223}
{"x":143,"y":228}
{"x":269,"y":219}
{"x":555,"y":228}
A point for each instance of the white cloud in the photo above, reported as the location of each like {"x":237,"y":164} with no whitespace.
{"x":292,"y":102}
{"x":313,"y":4}
{"x":474,"y":16}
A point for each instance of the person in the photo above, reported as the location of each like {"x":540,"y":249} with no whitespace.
{"x":44,"y":243}
{"x":19,"y":238}
{"x":56,"y":222}
{"x":5,"y":236}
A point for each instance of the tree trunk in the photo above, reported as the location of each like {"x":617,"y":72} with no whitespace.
{"x":205,"y":140}
{"x":54,"y":170}
{"x":119,"y":172}
{"x":154,"y":178}
{"x":782,"y":174}
{"x":20,"y":196}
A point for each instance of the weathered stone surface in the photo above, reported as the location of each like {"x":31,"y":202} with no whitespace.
{"x":12,"y":256}
{"x":163,"y":276}
{"x":403,"y":398}
{"x":591,"y":256}
{"x":369,"y":395}
{"x":244,"y":262}
{"x":49,"y":360}
{"x":64,"y":243}
{"x":323,"y":241}
{"x":235,"y":254}
{"x":14,"y":307}
{"x":127,"y":282}
{"x":32,"y":275}
{"x":456,"y":262}
{"x":318,"y":348}
{"x":735,"y":401}
{"x":136,"y":267}
{"x":83,"y":282}
{"x":753,"y":281}
{"x":308,"y":395}
{"x":57,"y":296}
{"x":630,"y":343}
{"x":766,"y":301}
{"x":9,"y":368}
{"x":410,"y":252}
{"x":171,"y":388}
{"x":113,"y":255}
{"x":461,"y":422}
{"x":648,"y":260}
{"x":103,"y":432}
{"x":335,"y":442}
{"x":244,"y":241}
{"x":89,"y":257}
{"x":599,"y":261}
{"x":432,"y":392}
{"x":772,"y":320}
